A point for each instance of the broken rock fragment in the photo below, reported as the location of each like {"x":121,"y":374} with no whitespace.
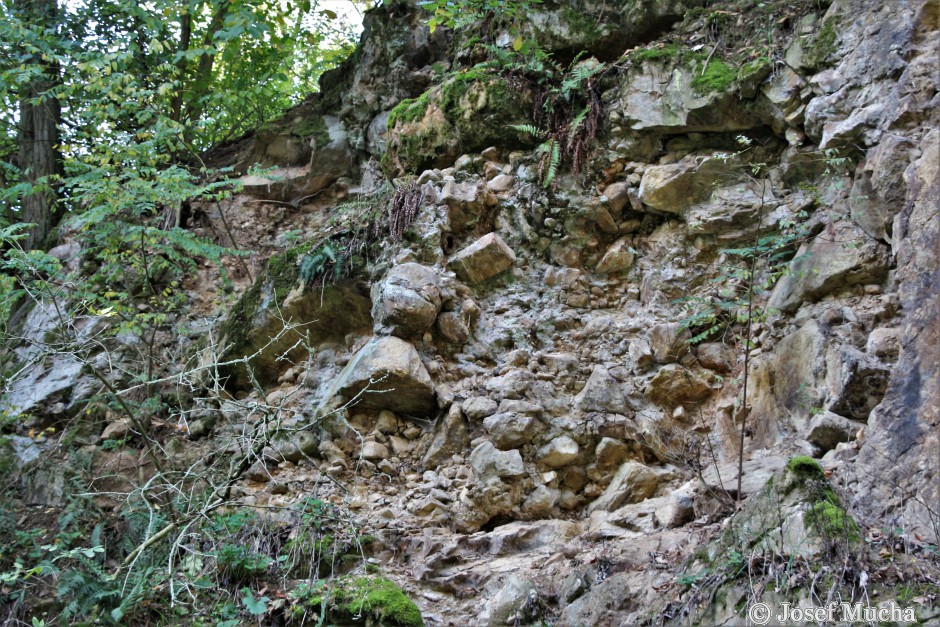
{"x":387,"y":373}
{"x":483,"y":259}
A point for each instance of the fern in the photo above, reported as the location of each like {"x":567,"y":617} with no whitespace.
{"x":529,"y":129}
{"x":575,"y":124}
{"x":554,"y":160}
{"x":315,"y":265}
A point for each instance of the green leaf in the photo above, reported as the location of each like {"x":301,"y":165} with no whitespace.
{"x":255,"y":607}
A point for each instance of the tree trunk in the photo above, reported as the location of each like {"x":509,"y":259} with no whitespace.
{"x":39,"y":159}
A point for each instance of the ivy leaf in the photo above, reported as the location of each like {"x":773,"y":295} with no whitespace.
{"x":517,"y":43}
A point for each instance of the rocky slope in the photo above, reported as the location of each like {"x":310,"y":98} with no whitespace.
{"x":534,"y":434}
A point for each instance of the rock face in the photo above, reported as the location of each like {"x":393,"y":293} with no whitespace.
{"x":483,"y":259}
{"x":387,"y":373}
{"x":562,"y":450}
{"x":464,"y":114}
{"x":827,"y":264}
{"x":406,"y":303}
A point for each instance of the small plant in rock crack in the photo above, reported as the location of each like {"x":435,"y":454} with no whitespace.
{"x":484,"y":14}
{"x":567,"y":116}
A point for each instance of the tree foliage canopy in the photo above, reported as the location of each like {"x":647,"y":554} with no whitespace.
{"x":143,"y":85}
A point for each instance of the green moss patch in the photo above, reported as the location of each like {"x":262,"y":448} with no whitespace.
{"x":384,"y":600}
{"x":314,"y":127}
{"x":823,"y":46}
{"x":408,"y":110}
{"x":655,"y":53}
{"x":377,"y":598}
{"x":832,"y":521}
{"x":717,"y":77}
{"x":471,"y":111}
{"x":805,"y":467}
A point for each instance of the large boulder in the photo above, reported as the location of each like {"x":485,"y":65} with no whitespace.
{"x":483,"y":259}
{"x":489,"y":462}
{"x":464,"y":114}
{"x":673,"y":385}
{"x":633,"y":483}
{"x":278,"y":318}
{"x":386,"y":373}
{"x":836,"y":258}
{"x":406,"y":303}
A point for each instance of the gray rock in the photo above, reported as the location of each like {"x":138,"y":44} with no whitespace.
{"x":856,"y":382}
{"x":374,"y":451}
{"x":829,"y":263}
{"x":828,"y":429}
{"x":406,"y":303}
{"x":387,"y":373}
{"x":483,"y":259}
{"x":618,"y":258}
{"x":510,"y":430}
{"x":716,"y":356}
{"x":641,"y":353}
{"x":540,"y":501}
{"x":601,"y":393}
{"x":453,"y":326}
{"x":633,"y":483}
{"x":669,"y":342}
{"x":606,"y":603}
{"x":501,"y":183}
{"x":675,"y":187}
{"x":756,"y":474}
{"x":478,"y":407}
{"x":616,"y":195}
{"x":387,"y":423}
{"x":450,"y":437}
{"x":884,"y":343}
{"x":558,"y":453}
{"x":674,"y":385}
{"x":513,"y":604}
{"x":488,"y":461}
{"x":609,"y":453}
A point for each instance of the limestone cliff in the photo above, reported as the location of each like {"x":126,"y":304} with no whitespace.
{"x":547,"y":368}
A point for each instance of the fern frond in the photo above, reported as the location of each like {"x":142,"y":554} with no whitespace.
{"x":553,"y":163}
{"x":576,"y":123}
{"x":529,"y":129}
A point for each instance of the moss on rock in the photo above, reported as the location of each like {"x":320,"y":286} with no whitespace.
{"x":805,"y":467}
{"x":383,"y":599}
{"x":717,"y":77}
{"x":832,"y":521}
{"x":313,"y":127}
{"x":822,"y":47}
{"x":468,"y":112}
